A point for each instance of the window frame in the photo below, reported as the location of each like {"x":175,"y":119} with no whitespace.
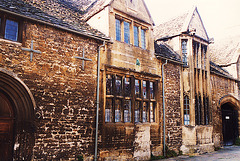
{"x":4,"y":17}
{"x":143,"y":38}
{"x":186,"y":110}
{"x":131,"y":100}
{"x":118,"y":30}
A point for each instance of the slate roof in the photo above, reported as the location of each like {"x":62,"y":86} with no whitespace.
{"x":61,"y":13}
{"x":165,"y":51}
{"x":170,"y":28}
{"x":225,"y":51}
{"x":218,"y":70}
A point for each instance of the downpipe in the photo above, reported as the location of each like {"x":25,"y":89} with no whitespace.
{"x":98,"y":95}
{"x":164,"y":121}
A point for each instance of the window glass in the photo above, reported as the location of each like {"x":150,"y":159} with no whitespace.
{"x":143,"y":38}
{"x":145,"y":112}
{"x":108,"y":110}
{"x":136,"y":41}
{"x":126,"y":32}
{"x":118,"y":116}
{"x":186,"y":111}
{"x":127,"y":87}
{"x":145,"y":89}
{"x":127,"y":111}
{"x":152,"y":96}
{"x":118,"y":30}
{"x":109,"y":83}
{"x":137,"y":111}
{"x":184,"y":51}
{"x":118,"y":85}
{"x":152,"y":112}
{"x":137,"y":88}
{"x":11,"y":30}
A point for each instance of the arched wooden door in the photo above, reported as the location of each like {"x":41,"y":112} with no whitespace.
{"x":230,"y":124}
{"x":6,"y":128}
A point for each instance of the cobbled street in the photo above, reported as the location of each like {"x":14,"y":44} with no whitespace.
{"x":231,"y":153}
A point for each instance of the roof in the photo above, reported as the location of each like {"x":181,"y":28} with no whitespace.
{"x":170,"y":28}
{"x":164,"y":51}
{"x":214,"y":68}
{"x":225,"y":51}
{"x":65,"y":14}
{"x":185,"y":23}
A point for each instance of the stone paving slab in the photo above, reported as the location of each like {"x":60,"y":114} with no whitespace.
{"x":228,"y":153}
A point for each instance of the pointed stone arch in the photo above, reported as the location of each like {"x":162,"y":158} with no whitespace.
{"x":230,"y":99}
{"x":23,"y":105}
{"x":230,"y":111}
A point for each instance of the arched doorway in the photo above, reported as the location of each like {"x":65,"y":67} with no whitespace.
{"x":17,"y":118}
{"x":229,"y":124}
{"x":6,"y":128}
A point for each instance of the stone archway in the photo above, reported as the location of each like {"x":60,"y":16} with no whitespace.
{"x":20,"y":102}
{"x":230,"y":109}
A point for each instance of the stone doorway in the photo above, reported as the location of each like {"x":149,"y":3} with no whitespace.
{"x":6,"y":128}
{"x":229,"y":124}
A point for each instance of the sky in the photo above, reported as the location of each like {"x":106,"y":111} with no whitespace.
{"x":221,"y":18}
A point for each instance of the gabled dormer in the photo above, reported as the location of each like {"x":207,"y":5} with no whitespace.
{"x":127,"y":21}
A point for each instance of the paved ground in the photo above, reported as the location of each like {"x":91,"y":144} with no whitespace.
{"x":229,"y":153}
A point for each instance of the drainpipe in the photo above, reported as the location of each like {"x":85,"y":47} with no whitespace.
{"x":97,"y":112}
{"x":164,"y":126}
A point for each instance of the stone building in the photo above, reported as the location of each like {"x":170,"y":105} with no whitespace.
{"x":47,"y":101}
{"x":208,"y":93}
{"x":60,"y":61}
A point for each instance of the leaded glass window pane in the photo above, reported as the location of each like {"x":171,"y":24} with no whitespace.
{"x":118,"y":115}
{"x":151,"y":85}
{"x":136,"y":38}
{"x":108,"y":110}
{"x":137,"y":88}
{"x":11,"y":30}
{"x":184,"y":47}
{"x":126,"y":32}
{"x":145,"y":89}
{"x":186,"y":111}
{"x":137,"y":111}
{"x":127,"y":87}
{"x":118,"y":85}
{"x":127,"y":111}
{"x":118,"y":30}
{"x":152,"y":112}
{"x":145,"y":112}
{"x":109,"y":84}
{"x":143,"y":38}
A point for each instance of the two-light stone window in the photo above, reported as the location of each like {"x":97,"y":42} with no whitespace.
{"x":127,"y":32}
{"x":129,"y":99}
{"x":9,"y":29}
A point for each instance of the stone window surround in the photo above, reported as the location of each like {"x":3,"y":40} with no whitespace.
{"x":133,"y":99}
{"x":132,"y":24}
{"x":4,"y":17}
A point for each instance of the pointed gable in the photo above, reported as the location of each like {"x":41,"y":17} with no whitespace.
{"x":197,"y":25}
{"x":189,"y":21}
{"x":134,"y":8}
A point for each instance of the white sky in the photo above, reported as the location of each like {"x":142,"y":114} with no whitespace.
{"x":221,"y":18}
